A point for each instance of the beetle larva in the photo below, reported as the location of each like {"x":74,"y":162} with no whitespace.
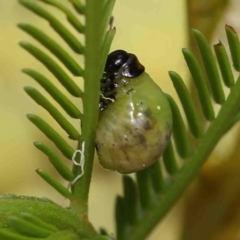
{"x":135,"y":119}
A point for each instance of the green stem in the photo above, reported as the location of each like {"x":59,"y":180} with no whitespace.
{"x":92,"y":78}
{"x":190,"y":171}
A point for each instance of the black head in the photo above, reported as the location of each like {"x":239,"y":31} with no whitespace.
{"x":115,"y":61}
{"x":128,"y":62}
{"x":132,"y":68}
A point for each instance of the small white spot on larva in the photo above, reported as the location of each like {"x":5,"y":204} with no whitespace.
{"x":158,"y":107}
{"x":144,"y":165}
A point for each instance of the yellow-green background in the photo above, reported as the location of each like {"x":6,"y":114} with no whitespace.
{"x":155,"y":30}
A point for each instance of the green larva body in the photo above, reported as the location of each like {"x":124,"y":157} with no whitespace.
{"x":134,"y":130}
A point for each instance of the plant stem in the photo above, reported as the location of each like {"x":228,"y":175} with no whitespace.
{"x":92,"y":76}
{"x":215,"y":132}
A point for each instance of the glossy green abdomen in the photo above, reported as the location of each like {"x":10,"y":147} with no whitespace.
{"x":135,"y":129}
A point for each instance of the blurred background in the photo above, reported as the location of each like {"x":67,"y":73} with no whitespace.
{"x":156,"y":31}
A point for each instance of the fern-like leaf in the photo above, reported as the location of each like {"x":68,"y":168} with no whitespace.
{"x":98,"y":40}
{"x":152,"y":195}
{"x":157,"y":195}
{"x":29,"y":218}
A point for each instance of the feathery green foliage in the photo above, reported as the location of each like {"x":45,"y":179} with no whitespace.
{"x":99,"y":34}
{"x":146,"y":200}
{"x":154,"y":205}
